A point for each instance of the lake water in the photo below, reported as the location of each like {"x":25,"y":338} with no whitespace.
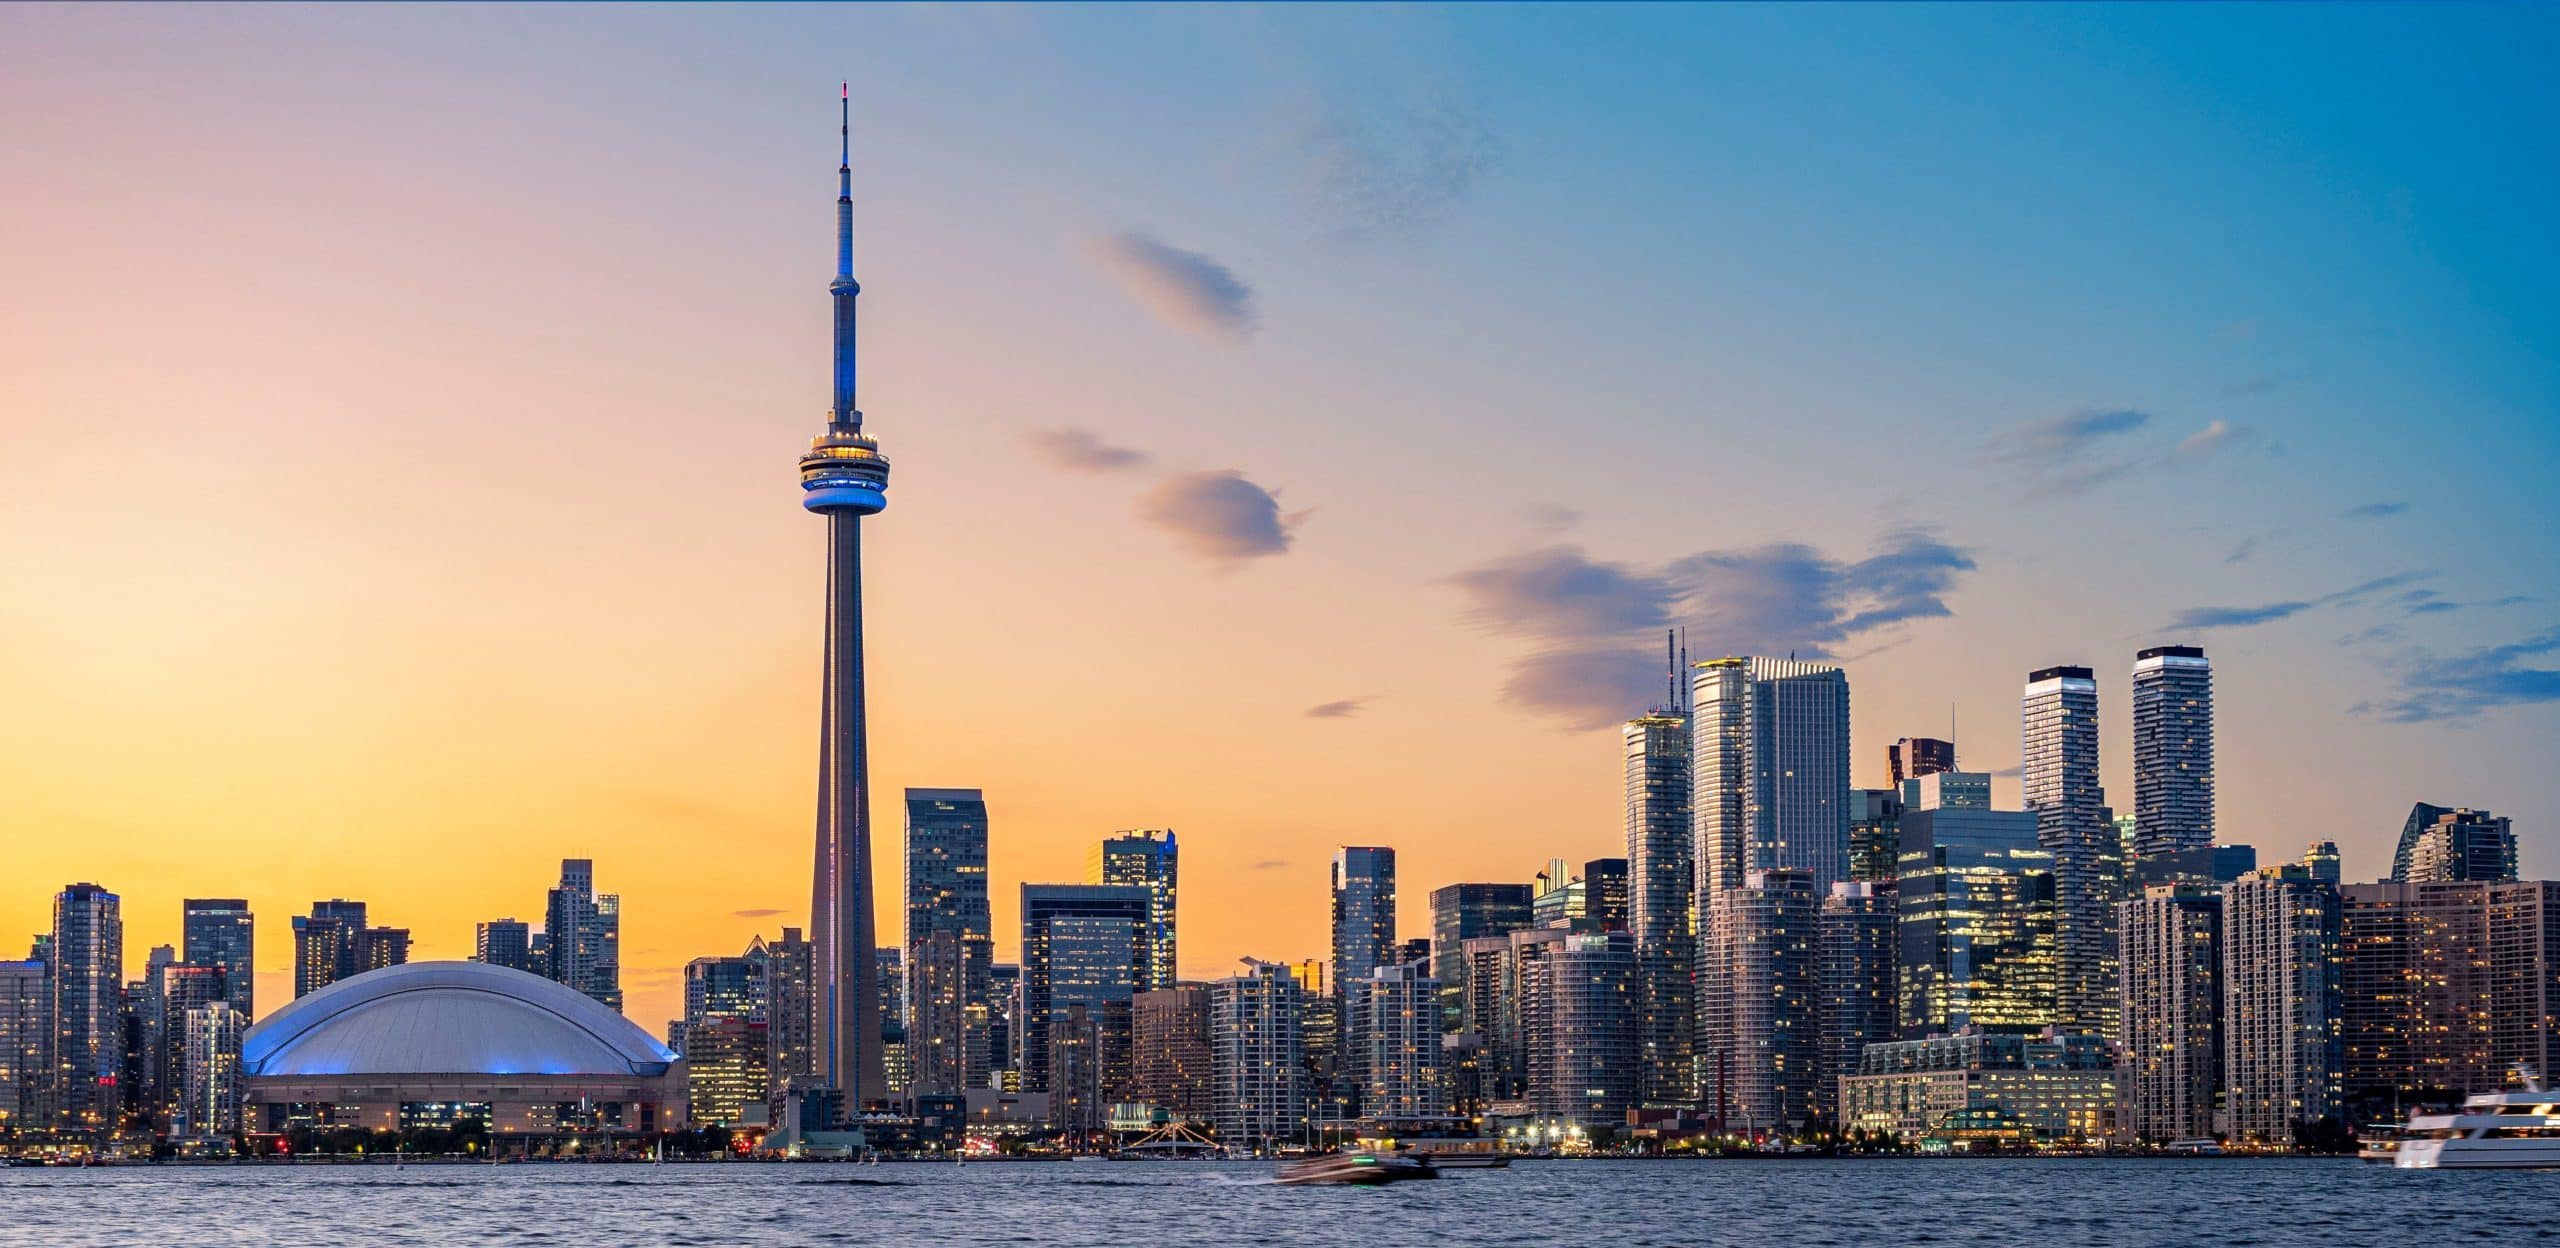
{"x":1147,"y":1204}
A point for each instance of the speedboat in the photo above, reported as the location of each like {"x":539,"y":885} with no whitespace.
{"x":2511,"y":1130}
{"x":1358,"y":1169}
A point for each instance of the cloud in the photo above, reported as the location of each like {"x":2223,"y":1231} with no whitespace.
{"x":2372,"y":511}
{"x":2049,"y":445}
{"x":2071,"y":455}
{"x":1184,"y":289}
{"x":1343,"y":708}
{"x":1549,"y":518}
{"x":2199,"y":618}
{"x":753,"y":914}
{"x":1268,"y":864}
{"x":2459,"y":686}
{"x":2240,"y":553}
{"x":2210,"y":441}
{"x":1592,"y":664}
{"x":1219,"y":516}
{"x":1076,"y":450}
{"x":1393,"y":172}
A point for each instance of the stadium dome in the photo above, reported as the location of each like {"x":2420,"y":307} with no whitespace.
{"x":449,"y":1018}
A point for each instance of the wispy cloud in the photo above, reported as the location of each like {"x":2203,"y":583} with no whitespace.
{"x":1076,"y":450}
{"x":2462,"y":685}
{"x":2373,"y":511}
{"x":1184,"y":289}
{"x":1391,"y":172}
{"x":1548,"y":519}
{"x":1341,"y":708}
{"x":1219,"y":516}
{"x":2240,"y":553}
{"x":1587,"y":619}
{"x":2197,"y":619}
{"x":2213,"y":439}
{"x":1268,"y":864}
{"x":753,"y":914}
{"x":2074,"y":454}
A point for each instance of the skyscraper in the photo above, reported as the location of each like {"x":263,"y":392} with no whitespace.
{"x":87,"y":1008}
{"x":2280,"y":1042}
{"x":1576,"y":1002}
{"x":1764,"y":1054}
{"x":2447,"y":984}
{"x":325,"y":944}
{"x":2170,"y":1038}
{"x":2172,"y":750}
{"x":1913,"y":757}
{"x":1082,"y":944}
{"x":1977,"y":913}
{"x":2454,"y":843}
{"x":26,"y":1043}
{"x":2059,"y":775}
{"x":1393,"y":1016}
{"x":586,"y":934}
{"x":1150,"y":859}
{"x":791,"y":1011}
{"x":950,"y":938}
{"x":1257,"y":1058}
{"x":1169,"y":1049}
{"x":1661,"y":874}
{"x":1364,"y":911}
{"x":221,"y":933}
{"x":207,"y":1058}
{"x":507,"y":943}
{"x":1875,"y":833}
{"x":844,"y":478}
{"x":1859,"y":951}
{"x":1465,"y":912}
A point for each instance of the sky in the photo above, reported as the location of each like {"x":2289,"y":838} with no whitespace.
{"x":1306,"y":420}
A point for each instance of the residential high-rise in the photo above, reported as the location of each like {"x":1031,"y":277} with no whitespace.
{"x":844,"y":478}
{"x":791,"y":1011}
{"x":1489,"y":1014}
{"x":1394,"y":1020}
{"x":1875,"y":834}
{"x":1661,"y":876}
{"x":1082,"y":944}
{"x":222,"y":934}
{"x":1576,"y":1000}
{"x":585,"y":928}
{"x":1147,"y":858}
{"x":2445,"y":985}
{"x":1364,"y":911}
{"x":2454,"y":843}
{"x":507,"y":943}
{"x":87,"y":1007}
{"x":1169,"y":1049}
{"x":1465,"y":912}
{"x":2170,"y":1038}
{"x":26,"y":1043}
{"x":1769,"y":778}
{"x":1763,"y":1057}
{"x":208,"y":1080}
{"x":1257,"y":1059}
{"x":727,"y":1077}
{"x":1075,"y":1081}
{"x":1858,"y":950}
{"x":2280,"y":1043}
{"x":325,"y":944}
{"x":950,"y":939}
{"x":1977,"y":914}
{"x":718,"y":988}
{"x":2058,"y":774}
{"x":1913,"y":757}
{"x":2172,"y":750}
{"x":172,"y":988}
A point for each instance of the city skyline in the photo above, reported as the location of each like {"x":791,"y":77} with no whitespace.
{"x":628,"y":697}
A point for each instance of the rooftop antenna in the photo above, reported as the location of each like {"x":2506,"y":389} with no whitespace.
{"x":1671,"y":669}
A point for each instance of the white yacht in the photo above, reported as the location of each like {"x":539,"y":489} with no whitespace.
{"x":2511,"y":1130}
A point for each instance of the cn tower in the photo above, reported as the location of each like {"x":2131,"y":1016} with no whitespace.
{"x":844,"y":477}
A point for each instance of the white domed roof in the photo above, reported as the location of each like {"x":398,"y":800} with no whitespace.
{"x":449,"y":1018}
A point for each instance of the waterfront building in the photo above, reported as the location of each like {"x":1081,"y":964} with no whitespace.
{"x":950,"y":939}
{"x":1913,"y":757}
{"x":2058,"y":775}
{"x":1489,"y":1013}
{"x":86,"y":1004}
{"x":539,"y":1063}
{"x":1364,"y":911}
{"x":1147,"y":858}
{"x":1875,"y":834}
{"x":2170,"y":1045}
{"x":1077,"y":1106}
{"x":2172,"y":750}
{"x":2280,"y":1042}
{"x":1169,"y":1049}
{"x":1461,"y":913}
{"x":2454,"y":843}
{"x":507,"y":943}
{"x":221,"y":933}
{"x":1661,"y":878}
{"x":1395,"y":1054}
{"x":2445,"y":985}
{"x":585,"y":928}
{"x":1976,"y":898}
{"x":2052,"y":1088}
{"x":728,"y":1077}
{"x":207,"y":1086}
{"x":725,"y":988}
{"x":1859,"y":950}
{"x":171,"y":989}
{"x":791,"y":1012}
{"x":1765,"y":1053}
{"x":1575,"y":1002}
{"x":844,"y":478}
{"x":1258,"y":1075}
{"x":1082,"y":944}
{"x":26,"y":1043}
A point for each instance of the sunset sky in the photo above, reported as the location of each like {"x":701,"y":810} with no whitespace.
{"x":1305,"y":422}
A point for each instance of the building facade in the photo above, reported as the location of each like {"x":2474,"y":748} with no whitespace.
{"x":1169,"y":1058}
{"x":585,"y":930}
{"x":2172,"y":750}
{"x":1461,"y":913}
{"x":1976,"y":897}
{"x":2282,"y":1061}
{"x":2058,"y":775}
{"x":2454,"y":843}
{"x":1394,"y":1059}
{"x":86,"y":1006}
{"x":1661,"y":881}
{"x":1258,"y":1073}
{"x":1913,"y":757}
{"x":2051,"y":1088}
{"x":222,"y":934}
{"x":1859,"y":950}
{"x":950,"y":940}
{"x":2170,"y":1042}
{"x":1576,"y":1003}
{"x":1766,"y":1049}
{"x":1082,"y":944}
{"x":1150,"y":859}
{"x":1364,"y":910}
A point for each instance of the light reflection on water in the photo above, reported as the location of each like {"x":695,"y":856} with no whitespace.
{"x":2277,"y":1204}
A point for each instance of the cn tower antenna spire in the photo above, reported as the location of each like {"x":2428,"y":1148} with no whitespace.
{"x":844,"y":288}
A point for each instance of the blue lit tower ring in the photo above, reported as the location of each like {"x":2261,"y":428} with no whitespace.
{"x":844,"y":471}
